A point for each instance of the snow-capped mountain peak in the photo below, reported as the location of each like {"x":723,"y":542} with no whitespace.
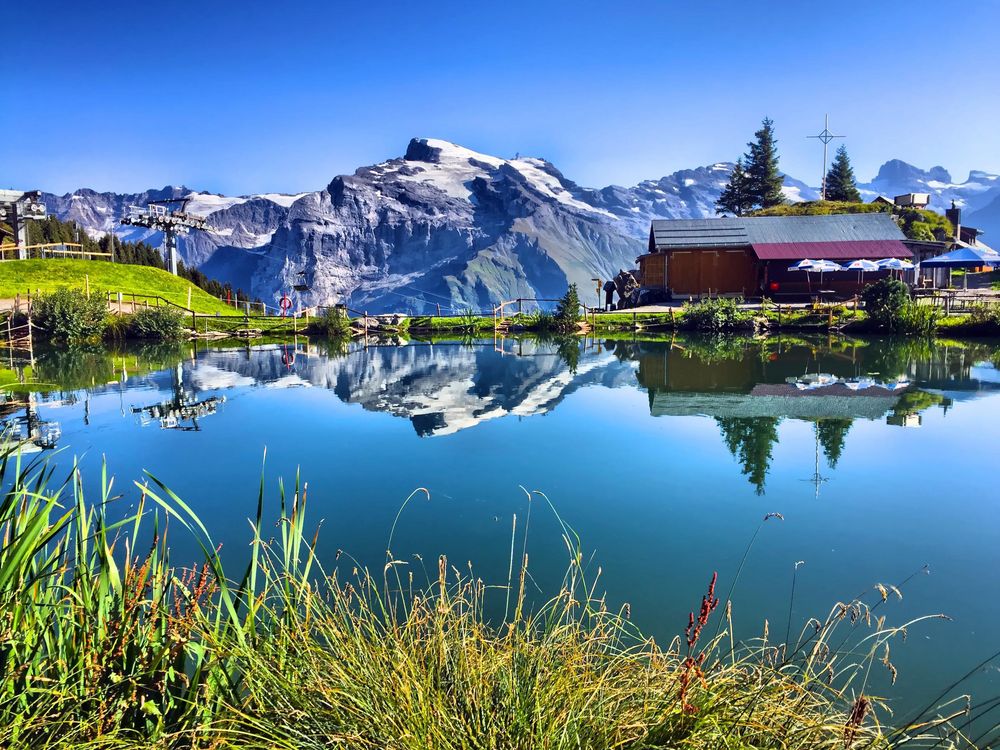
{"x":447,"y":225}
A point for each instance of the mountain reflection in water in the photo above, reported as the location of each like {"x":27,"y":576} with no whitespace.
{"x":748,"y":386}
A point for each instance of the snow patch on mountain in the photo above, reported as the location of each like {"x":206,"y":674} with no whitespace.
{"x":446,"y":225}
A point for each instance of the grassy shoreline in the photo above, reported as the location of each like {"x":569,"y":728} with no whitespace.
{"x":105,"y":643}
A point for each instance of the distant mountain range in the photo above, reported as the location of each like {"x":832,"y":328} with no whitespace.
{"x":444,"y":225}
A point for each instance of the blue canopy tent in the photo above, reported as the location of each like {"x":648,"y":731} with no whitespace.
{"x":964,"y":257}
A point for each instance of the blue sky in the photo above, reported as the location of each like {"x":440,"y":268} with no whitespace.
{"x":258,"y":97}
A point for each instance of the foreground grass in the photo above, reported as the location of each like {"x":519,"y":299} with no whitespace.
{"x":22,"y":276}
{"x":104,"y":644}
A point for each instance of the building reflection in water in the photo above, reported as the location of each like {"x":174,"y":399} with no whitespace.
{"x":750,"y":386}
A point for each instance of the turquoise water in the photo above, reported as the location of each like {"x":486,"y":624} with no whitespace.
{"x":663,"y":455}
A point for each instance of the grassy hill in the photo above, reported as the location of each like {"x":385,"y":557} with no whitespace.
{"x":20,"y":276}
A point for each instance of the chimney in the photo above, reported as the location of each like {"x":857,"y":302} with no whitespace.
{"x":954,"y":215}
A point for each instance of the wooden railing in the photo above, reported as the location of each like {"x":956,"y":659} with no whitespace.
{"x":52,"y":248}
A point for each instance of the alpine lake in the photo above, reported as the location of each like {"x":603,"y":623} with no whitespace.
{"x":663,"y":456}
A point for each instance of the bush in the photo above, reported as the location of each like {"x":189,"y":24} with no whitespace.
{"x":985,"y":314}
{"x":335,"y":323}
{"x":921,"y":224}
{"x":884,"y":301}
{"x":70,"y":315}
{"x":535,"y":320}
{"x":890,"y":308}
{"x":156,"y":324}
{"x":914,"y":318}
{"x":716,"y":314}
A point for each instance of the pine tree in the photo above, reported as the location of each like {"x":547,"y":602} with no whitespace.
{"x":764,"y":179}
{"x":840,"y":184}
{"x":568,"y":309}
{"x":736,"y":198}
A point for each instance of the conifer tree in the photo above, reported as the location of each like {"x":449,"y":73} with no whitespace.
{"x":736,"y":198}
{"x":840,"y":184}
{"x":568,"y":309}
{"x":762,"y":167}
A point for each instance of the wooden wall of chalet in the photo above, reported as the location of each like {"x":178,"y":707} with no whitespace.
{"x":653,"y":269}
{"x":715,"y":271}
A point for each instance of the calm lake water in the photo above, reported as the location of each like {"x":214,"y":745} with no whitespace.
{"x":663,"y":455}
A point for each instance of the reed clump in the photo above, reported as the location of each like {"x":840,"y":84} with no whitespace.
{"x":104,"y":643}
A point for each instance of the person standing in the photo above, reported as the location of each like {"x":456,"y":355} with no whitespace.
{"x":609,"y":291}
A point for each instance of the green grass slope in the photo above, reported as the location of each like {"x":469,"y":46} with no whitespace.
{"x":20,"y":276}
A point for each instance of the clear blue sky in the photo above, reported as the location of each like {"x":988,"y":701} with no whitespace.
{"x":257,"y":97}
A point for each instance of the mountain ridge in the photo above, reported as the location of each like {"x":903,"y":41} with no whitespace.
{"x":447,"y":226}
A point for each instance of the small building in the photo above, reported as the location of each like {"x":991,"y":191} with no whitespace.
{"x":913,"y":200}
{"x":881,"y":200}
{"x":750,"y":256}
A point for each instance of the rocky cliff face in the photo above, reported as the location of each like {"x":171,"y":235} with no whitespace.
{"x":450,"y":227}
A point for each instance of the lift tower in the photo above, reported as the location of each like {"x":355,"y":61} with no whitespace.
{"x":16,"y":207}
{"x":157,"y":216}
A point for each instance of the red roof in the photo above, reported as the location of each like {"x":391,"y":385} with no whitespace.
{"x":842,"y":250}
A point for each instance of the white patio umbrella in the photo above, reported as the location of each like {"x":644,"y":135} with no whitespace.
{"x":803,"y":265}
{"x":895,"y":264}
{"x":861,"y":266}
{"x":807,"y":266}
{"x":826,"y":266}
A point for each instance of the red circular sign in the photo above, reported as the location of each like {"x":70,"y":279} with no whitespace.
{"x":285,"y":302}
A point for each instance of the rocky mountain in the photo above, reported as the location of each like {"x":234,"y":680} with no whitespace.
{"x":447,"y":226}
{"x":987,"y":220}
{"x":896,"y":177}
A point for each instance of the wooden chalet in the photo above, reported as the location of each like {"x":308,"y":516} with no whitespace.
{"x":750,"y":256}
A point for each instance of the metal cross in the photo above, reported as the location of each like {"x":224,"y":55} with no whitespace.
{"x":826,"y":136}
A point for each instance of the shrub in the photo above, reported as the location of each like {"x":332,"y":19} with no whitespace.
{"x":884,"y":300}
{"x":156,"y":324}
{"x":335,"y":323}
{"x":568,"y":310}
{"x":985,"y":314}
{"x":535,"y":320}
{"x":70,"y":315}
{"x":716,"y":314}
{"x":890,"y":308}
{"x":921,"y":224}
{"x":914,"y":318}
